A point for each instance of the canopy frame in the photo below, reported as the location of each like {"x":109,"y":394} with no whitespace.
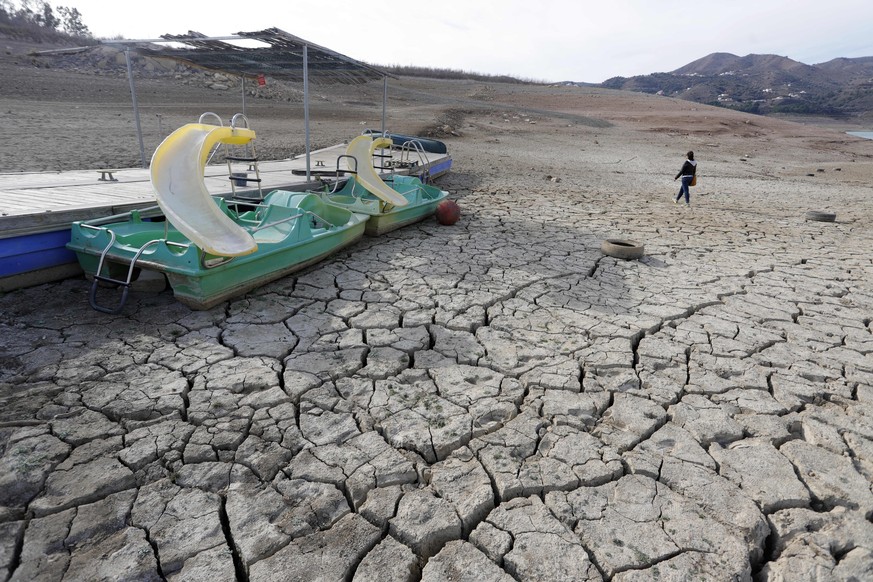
{"x":286,"y":57}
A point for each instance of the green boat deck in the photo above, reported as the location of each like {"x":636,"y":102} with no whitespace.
{"x":293,"y":231}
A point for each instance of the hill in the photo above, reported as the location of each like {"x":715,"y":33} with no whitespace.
{"x":71,"y":108}
{"x":765,"y":84}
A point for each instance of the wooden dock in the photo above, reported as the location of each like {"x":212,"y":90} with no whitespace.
{"x":38,"y":203}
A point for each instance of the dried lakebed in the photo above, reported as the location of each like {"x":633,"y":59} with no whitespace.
{"x":495,"y":398}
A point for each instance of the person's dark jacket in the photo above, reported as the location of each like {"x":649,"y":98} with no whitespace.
{"x":689,"y":168}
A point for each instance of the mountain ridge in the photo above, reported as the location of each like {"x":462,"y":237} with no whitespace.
{"x":765,"y":84}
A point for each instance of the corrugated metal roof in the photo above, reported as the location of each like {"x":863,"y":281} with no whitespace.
{"x":282,"y":59}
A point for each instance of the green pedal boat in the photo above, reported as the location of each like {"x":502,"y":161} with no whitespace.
{"x":391,"y":202}
{"x":209,"y":248}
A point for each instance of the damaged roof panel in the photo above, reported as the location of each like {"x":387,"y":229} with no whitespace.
{"x":281,"y":59}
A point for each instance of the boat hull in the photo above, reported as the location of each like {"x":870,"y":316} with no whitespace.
{"x":205,"y":292}
{"x":379,"y":224}
{"x":422,"y":202}
{"x":429,"y":145}
{"x":202,"y":281}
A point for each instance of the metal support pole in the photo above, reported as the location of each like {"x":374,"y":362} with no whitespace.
{"x":384,"y":101}
{"x":244,"y":94}
{"x":306,"y":105}
{"x":135,"y":107}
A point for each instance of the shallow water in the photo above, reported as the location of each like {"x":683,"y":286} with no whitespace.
{"x":864,"y":134}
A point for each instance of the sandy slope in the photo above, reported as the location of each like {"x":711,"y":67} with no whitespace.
{"x":65,"y":119}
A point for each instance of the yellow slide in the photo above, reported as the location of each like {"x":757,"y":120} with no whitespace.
{"x":177,"y":178}
{"x":361,"y":148}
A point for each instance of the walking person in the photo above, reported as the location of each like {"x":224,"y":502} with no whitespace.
{"x":687,"y":173}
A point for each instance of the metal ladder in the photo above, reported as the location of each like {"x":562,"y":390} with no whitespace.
{"x":408,"y":150}
{"x":249,"y":157}
{"x":124,"y":284}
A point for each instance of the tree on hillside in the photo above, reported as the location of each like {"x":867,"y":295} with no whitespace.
{"x":38,"y":17}
{"x":27,"y":10}
{"x":71,"y":21}
{"x":46,"y":17}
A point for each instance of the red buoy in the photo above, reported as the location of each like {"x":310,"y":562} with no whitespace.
{"x":448,"y":212}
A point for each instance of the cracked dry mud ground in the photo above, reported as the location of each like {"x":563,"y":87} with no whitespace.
{"x":494,"y":400}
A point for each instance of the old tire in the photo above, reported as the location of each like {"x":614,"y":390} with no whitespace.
{"x":622,"y":249}
{"x":821,"y":216}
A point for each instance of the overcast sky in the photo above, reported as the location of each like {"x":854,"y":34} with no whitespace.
{"x":544,"y":40}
